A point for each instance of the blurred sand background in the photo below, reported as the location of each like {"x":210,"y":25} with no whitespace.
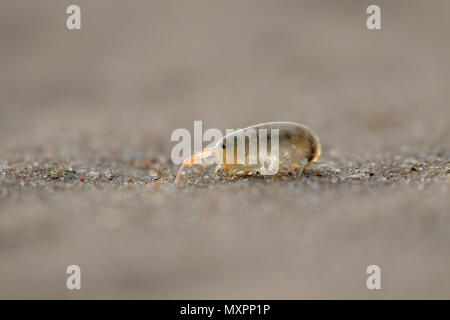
{"x":78,"y":108}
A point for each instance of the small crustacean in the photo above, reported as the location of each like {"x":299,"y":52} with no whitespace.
{"x":296,"y":146}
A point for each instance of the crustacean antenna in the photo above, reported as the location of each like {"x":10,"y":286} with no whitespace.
{"x":188,"y":162}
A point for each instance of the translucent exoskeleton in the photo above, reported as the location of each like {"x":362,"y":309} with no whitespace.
{"x":273,"y":148}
